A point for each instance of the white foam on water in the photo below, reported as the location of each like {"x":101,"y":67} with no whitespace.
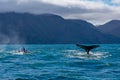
{"x":18,"y":53}
{"x":2,"y":50}
{"x":70,"y":51}
{"x":92,"y":55}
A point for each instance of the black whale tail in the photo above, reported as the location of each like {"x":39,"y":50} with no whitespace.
{"x":87,"y":48}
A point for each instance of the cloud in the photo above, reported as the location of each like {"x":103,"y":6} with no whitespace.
{"x":116,"y":1}
{"x":94,"y":11}
{"x":76,"y":3}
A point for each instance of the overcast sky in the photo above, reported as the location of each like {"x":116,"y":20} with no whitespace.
{"x":94,"y":11}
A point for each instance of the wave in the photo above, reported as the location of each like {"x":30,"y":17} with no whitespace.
{"x":83,"y":55}
{"x":18,"y":53}
{"x":2,"y":50}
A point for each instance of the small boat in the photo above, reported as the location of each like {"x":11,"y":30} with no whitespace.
{"x":23,"y":51}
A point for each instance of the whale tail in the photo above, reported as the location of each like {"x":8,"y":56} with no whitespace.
{"x":87,"y":48}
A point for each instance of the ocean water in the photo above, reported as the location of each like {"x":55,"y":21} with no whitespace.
{"x":59,"y":62}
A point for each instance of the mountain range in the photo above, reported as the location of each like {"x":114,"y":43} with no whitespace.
{"x":26,"y":28}
{"x":112,"y":27}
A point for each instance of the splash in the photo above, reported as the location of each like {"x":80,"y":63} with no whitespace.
{"x":16,"y":52}
{"x":70,"y":51}
{"x":12,"y":37}
{"x":92,"y":55}
{"x":2,"y":50}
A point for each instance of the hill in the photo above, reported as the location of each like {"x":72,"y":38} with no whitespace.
{"x":25,"y":28}
{"x":112,"y":27}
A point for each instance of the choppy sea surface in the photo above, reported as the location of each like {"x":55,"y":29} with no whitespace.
{"x":60,"y":62}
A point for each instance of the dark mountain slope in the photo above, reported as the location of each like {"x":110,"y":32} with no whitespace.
{"x":112,"y":27}
{"x":48,"y":28}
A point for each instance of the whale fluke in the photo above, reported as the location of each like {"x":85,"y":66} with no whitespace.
{"x":87,"y":48}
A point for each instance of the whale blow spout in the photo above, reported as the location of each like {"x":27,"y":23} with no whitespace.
{"x":87,"y":48}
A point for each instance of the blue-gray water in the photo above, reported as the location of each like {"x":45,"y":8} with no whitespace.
{"x":60,"y":62}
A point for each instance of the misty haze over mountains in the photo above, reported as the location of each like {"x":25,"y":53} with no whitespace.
{"x":25,"y":28}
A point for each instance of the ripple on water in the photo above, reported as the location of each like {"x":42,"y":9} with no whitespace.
{"x":92,"y":56}
{"x":60,"y":63}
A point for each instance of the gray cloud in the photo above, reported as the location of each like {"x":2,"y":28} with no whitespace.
{"x":96,"y":12}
